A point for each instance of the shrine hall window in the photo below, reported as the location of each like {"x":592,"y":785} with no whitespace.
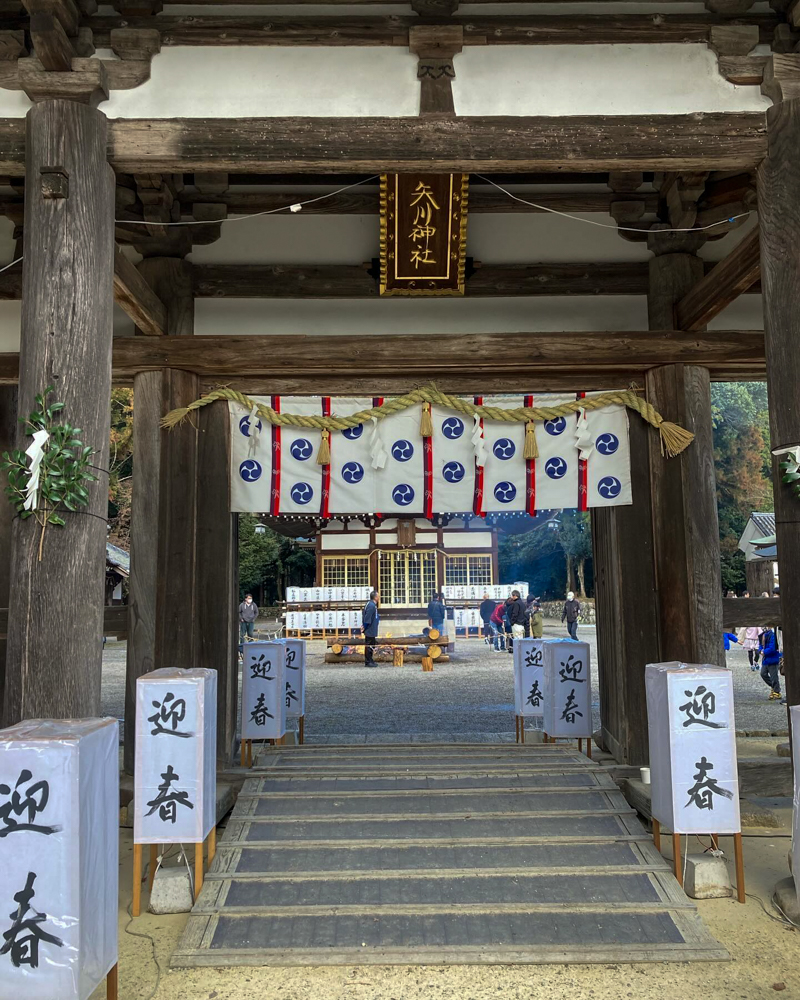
{"x":345,"y":571}
{"x":462,"y":571}
{"x":406,"y":579}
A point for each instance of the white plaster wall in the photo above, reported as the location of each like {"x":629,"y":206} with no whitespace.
{"x":269,"y":81}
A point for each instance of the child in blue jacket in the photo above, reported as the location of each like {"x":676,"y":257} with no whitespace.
{"x":770,"y":662}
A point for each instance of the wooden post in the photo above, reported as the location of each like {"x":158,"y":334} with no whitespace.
{"x":397,"y":656}
{"x":8,"y":433}
{"x":163,"y":521}
{"x":657,"y":834}
{"x":779,"y":222}
{"x":676,"y":858}
{"x":301,"y":730}
{"x":136,"y":907}
{"x":216,"y":577}
{"x":54,"y":647}
{"x":760,"y":576}
{"x":151,"y":873}
{"x":739,"y":858}
{"x":112,"y":983}
{"x":427,"y":664}
{"x":198,"y":869}
{"x":212,"y":845}
{"x":627,"y":608}
{"x":683,"y":489}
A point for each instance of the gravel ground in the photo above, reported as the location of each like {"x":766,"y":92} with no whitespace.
{"x":470,"y":698}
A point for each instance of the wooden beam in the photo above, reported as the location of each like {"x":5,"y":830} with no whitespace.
{"x":558,"y":29}
{"x":726,"y":281}
{"x":53,"y":48}
{"x":745,"y":611}
{"x":137,"y":298}
{"x":353,"y":281}
{"x":719,"y":141}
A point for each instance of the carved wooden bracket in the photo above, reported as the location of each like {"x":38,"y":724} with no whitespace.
{"x":782,"y":77}
{"x":734,"y":44}
{"x":436,"y":45}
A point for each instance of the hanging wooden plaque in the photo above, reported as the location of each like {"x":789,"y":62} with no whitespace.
{"x":423,"y":233}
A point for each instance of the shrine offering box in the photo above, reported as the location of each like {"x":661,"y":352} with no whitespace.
{"x":59,"y":857}
{"x":528,"y":678}
{"x":264,"y":690}
{"x":693,"y":775}
{"x":567,"y":688}
{"x":175,"y":781}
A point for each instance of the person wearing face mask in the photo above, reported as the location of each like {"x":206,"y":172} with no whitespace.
{"x":248,"y":612}
{"x":571,"y":613}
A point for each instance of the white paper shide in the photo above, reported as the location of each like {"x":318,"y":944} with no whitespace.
{"x":693,"y":773}
{"x":264,"y":690}
{"x":529,"y":678}
{"x":175,"y":796}
{"x":567,"y":688}
{"x":59,"y":857}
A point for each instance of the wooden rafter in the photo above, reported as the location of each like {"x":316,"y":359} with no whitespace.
{"x":466,"y":362}
{"x":137,"y":298}
{"x":737,"y":273}
{"x":720,"y":141}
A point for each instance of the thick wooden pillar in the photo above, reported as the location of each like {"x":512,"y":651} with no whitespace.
{"x":8,"y":432}
{"x":217,"y":572}
{"x":627,"y":609}
{"x":162,"y":591}
{"x":54,"y":648}
{"x":760,"y":576}
{"x":779,"y":221}
{"x":683,"y":489}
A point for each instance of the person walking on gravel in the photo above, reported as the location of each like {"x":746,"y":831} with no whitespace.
{"x":748,"y":638}
{"x":571,"y":613}
{"x":770,"y":662}
{"x":248,"y":612}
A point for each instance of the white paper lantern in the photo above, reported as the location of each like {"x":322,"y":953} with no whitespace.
{"x":529,"y":678}
{"x":317,"y":620}
{"x":305,"y":620}
{"x":175,"y":779}
{"x":567,"y":688}
{"x":292,"y":594}
{"x":328,"y":594}
{"x":329,"y":619}
{"x":295,"y":678}
{"x":291,"y":620}
{"x":264,"y":690}
{"x":342,"y":593}
{"x":693,"y":772}
{"x":59,"y":857}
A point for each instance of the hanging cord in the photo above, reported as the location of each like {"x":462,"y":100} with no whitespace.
{"x":13,"y":262}
{"x":609,"y":225}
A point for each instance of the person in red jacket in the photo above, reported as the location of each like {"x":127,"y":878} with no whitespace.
{"x":498,"y":625}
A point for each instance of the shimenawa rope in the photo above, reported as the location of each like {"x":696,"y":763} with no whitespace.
{"x":674,"y":439}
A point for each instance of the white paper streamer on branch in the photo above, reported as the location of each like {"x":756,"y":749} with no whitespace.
{"x":255,"y":431}
{"x":36,"y":453}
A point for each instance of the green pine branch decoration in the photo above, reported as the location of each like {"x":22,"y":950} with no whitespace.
{"x":791,"y":475}
{"x":64,"y":470}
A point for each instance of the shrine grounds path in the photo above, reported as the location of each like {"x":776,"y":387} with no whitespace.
{"x":469,"y":699}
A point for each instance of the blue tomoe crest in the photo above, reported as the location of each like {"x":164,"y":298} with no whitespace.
{"x":556,"y":468}
{"x":403,"y":494}
{"x":250,"y":470}
{"x":505,"y":492}
{"x":609,"y":487}
{"x":244,"y":425}
{"x":301,"y":449}
{"x":353,"y":433}
{"x":402,"y":450}
{"x":607,"y":443}
{"x":301,"y":493}
{"x":504,"y":449}
{"x":352,"y":472}
{"x":557,"y":426}
{"x":453,"y":472}
{"x":452,"y":428}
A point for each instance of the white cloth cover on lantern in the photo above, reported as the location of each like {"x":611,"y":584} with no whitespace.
{"x":264,"y":690}
{"x":275,"y":469}
{"x":794,"y":715}
{"x":528,"y":678}
{"x":175,"y":774}
{"x":567,"y":688}
{"x":295,"y":677}
{"x":693,"y":772}
{"x":314,"y":595}
{"x":59,"y":857}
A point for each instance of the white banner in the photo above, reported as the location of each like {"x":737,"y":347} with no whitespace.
{"x":387,"y":467}
{"x":528,"y":678}
{"x":567,"y":688}
{"x":264,"y":690}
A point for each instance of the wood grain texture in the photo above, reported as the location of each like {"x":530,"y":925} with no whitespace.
{"x":760,"y":576}
{"x":559,"y":29}
{"x":137,"y":298}
{"x":8,"y":433}
{"x":700,"y":141}
{"x":53,"y":48}
{"x":726,"y":281}
{"x":216,"y":577}
{"x":745,"y":611}
{"x":779,"y":222}
{"x":54,"y":652}
{"x":161,"y":587}
{"x":410,"y":356}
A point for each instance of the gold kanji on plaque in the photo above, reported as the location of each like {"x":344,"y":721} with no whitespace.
{"x":423,"y":233}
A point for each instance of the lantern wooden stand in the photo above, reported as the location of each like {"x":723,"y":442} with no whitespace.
{"x":738,"y":856}
{"x":136,"y":908}
{"x":112,"y":983}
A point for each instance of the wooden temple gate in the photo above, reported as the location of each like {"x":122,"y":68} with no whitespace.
{"x":657,"y":561}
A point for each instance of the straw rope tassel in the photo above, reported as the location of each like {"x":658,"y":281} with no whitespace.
{"x":674,"y":439}
{"x":530,"y":451}
{"x":426,"y":422}
{"x":324,"y":453}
